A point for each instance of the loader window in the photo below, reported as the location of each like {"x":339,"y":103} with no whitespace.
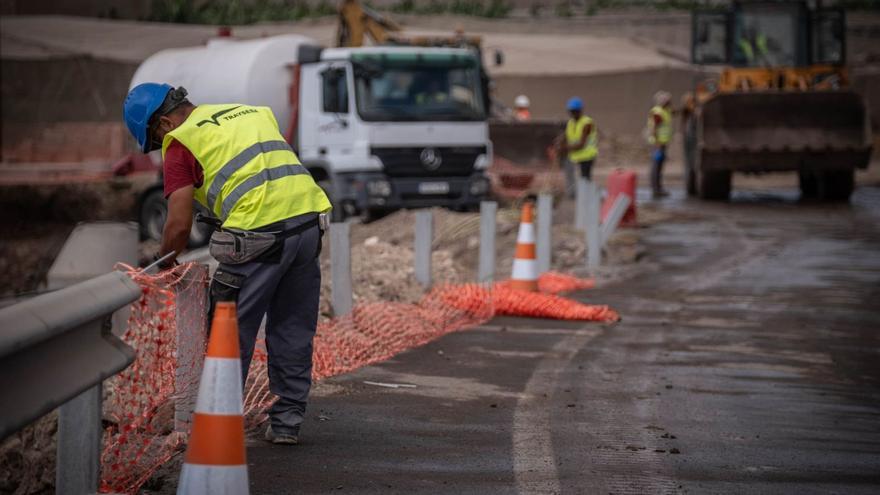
{"x":335,"y":89}
{"x":828,"y":38}
{"x":710,"y":38}
{"x":766,"y":37}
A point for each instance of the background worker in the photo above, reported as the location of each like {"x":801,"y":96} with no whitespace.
{"x":659,"y":135}
{"x":233,"y":160}
{"x":521,"y":109}
{"x":580,"y":143}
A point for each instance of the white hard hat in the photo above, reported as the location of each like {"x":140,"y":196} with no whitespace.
{"x":662,"y":98}
{"x":522,"y":101}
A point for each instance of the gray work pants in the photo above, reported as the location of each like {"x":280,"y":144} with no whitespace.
{"x":287,"y":294}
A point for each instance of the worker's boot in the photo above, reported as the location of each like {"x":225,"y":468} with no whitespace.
{"x":281,"y":438}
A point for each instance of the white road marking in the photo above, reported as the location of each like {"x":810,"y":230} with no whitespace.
{"x":534,"y":464}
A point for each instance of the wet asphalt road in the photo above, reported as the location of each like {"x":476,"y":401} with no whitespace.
{"x":748,"y":361}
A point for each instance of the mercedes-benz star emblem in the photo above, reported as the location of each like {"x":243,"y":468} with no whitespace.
{"x":431,"y":158}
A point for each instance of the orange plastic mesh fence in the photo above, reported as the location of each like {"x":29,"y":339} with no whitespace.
{"x":141,"y":400}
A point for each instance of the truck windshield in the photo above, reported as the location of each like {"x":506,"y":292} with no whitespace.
{"x":418,"y":87}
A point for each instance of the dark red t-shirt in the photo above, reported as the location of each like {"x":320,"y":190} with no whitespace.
{"x":181,"y":168}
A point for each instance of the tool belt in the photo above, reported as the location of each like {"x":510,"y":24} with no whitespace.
{"x":235,"y":246}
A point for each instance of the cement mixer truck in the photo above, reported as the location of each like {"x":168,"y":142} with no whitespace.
{"x":380,"y":128}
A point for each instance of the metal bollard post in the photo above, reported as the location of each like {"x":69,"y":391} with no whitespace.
{"x":580,"y":203}
{"x":340,"y":268}
{"x":488,"y":212}
{"x":424,"y":237}
{"x":615,"y":215}
{"x":545,"y":224}
{"x":593,"y":234}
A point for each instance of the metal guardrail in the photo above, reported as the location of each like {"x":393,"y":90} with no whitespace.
{"x":55,"y":346}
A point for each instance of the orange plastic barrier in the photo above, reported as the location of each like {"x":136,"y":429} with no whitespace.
{"x":557,"y":283}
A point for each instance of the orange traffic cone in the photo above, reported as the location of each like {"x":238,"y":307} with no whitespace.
{"x":215,"y":459}
{"x":525,"y":268}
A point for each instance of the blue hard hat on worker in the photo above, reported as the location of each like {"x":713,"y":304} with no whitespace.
{"x":574,"y":104}
{"x":141,"y":103}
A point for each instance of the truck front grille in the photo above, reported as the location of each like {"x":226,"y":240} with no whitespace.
{"x":423,"y":161}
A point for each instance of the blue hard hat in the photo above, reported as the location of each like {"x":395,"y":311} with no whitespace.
{"x":574,"y":104}
{"x":142,"y":101}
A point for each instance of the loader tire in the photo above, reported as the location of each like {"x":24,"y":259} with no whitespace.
{"x":837,"y":185}
{"x":809,"y":184}
{"x":690,"y":181}
{"x":714,"y":185}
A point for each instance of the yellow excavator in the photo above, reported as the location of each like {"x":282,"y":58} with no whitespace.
{"x":782,"y":101}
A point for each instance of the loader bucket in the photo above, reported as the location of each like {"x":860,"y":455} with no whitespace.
{"x":777,"y":131}
{"x":524,"y":143}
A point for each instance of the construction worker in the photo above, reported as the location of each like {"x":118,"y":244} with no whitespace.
{"x":579,"y":143}
{"x":521,"y":108}
{"x":232,"y":159}
{"x":659,"y":135}
{"x":754,"y":47}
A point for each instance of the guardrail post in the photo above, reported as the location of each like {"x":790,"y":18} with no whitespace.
{"x":593,"y":234}
{"x":580,"y":203}
{"x":545,"y":224}
{"x":615,"y":215}
{"x":91,"y":249}
{"x":340,"y":268}
{"x":488,"y":212}
{"x":423,"y":239}
{"x":79,"y":443}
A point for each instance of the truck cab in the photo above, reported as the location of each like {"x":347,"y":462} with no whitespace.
{"x":385,"y":128}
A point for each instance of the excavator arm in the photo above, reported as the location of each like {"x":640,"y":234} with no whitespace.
{"x":357,"y":21}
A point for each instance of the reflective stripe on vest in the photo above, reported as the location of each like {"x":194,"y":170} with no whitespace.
{"x":239,"y":161}
{"x":574,"y":131}
{"x":662,"y":132}
{"x":252,"y":176}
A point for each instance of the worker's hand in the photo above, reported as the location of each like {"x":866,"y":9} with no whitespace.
{"x":166,"y":264}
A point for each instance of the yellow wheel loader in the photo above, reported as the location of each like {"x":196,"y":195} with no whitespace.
{"x":781,"y":102}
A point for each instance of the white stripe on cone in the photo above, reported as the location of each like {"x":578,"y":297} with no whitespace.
{"x":526,"y":234}
{"x":220,"y":388}
{"x":214,"y":480}
{"x":524,"y":269}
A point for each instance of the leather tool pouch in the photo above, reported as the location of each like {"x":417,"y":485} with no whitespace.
{"x":234,"y":247}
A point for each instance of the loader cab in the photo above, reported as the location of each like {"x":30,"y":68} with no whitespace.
{"x":769,"y":35}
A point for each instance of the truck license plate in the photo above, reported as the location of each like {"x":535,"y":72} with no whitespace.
{"x":434,"y":188}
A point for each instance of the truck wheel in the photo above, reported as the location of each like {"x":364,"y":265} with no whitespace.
{"x":837,"y":185}
{"x":714,"y":185}
{"x":154,"y":212}
{"x":809,"y":184}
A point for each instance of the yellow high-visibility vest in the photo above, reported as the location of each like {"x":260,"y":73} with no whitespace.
{"x":663,"y":132}
{"x":573,"y":131}
{"x":252,"y":176}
